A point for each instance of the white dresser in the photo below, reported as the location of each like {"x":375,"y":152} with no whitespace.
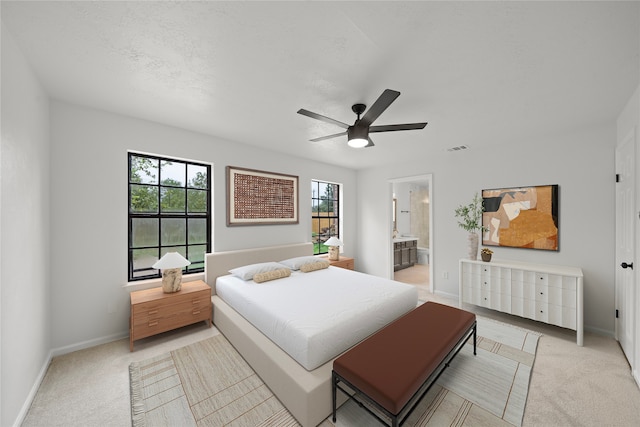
{"x":547,"y":293}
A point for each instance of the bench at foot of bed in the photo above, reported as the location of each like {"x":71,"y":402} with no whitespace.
{"x":395,"y":367}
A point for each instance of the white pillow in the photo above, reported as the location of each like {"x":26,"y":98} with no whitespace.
{"x":296,"y":263}
{"x":247,"y":272}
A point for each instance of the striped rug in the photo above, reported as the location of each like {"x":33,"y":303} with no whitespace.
{"x":209,"y":384}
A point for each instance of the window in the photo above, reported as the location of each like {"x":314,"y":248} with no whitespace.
{"x":325,"y":214}
{"x":169,"y":211}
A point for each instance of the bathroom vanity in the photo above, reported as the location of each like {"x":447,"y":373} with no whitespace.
{"x":405,"y":252}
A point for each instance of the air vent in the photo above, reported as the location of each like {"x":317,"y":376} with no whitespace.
{"x":458,"y":148}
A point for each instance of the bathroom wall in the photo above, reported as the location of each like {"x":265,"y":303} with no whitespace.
{"x":413,"y":210}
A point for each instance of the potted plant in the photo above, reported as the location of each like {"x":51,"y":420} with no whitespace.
{"x":486,"y":253}
{"x":470,"y":220}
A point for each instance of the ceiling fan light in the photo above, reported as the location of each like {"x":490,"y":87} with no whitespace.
{"x":357,"y":137}
{"x":357,"y":142}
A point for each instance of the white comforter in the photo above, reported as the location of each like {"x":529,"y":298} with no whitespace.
{"x":318,"y":315}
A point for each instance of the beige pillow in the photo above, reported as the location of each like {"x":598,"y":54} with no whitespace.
{"x":318,"y":265}
{"x":271,"y":275}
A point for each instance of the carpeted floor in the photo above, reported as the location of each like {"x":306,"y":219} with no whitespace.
{"x":570,"y":385}
{"x":209,"y":384}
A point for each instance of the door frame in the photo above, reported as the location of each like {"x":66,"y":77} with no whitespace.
{"x":415,"y":178}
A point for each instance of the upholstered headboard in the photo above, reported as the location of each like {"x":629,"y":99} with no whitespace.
{"x":219,"y":263}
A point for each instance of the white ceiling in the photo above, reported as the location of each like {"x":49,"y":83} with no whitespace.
{"x":481,"y":73}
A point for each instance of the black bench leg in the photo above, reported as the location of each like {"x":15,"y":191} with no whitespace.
{"x":475,"y":328}
{"x":334,"y":383}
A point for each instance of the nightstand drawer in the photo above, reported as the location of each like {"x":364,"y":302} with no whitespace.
{"x":146,"y":327}
{"x":160,"y":308}
{"x":150,"y":312}
{"x":343,"y":262}
{"x":153,"y":311}
{"x":349,"y":264}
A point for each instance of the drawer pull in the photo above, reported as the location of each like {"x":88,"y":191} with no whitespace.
{"x":153,"y":323}
{"x":196,"y":312}
{"x":195,"y":301}
{"x":153,"y":312}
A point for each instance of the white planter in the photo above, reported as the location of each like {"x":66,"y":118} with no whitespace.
{"x":472,"y":246}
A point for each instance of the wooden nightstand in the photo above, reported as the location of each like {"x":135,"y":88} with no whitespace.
{"x":343,"y":262}
{"x":153,"y":311}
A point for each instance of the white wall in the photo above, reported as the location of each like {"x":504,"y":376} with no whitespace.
{"x":24,"y":233}
{"x":403,"y":223}
{"x":582,"y":163}
{"x":89,"y":211}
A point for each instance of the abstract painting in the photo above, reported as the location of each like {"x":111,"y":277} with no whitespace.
{"x":521,"y":217}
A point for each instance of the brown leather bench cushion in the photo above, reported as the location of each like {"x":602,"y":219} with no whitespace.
{"x":392,"y":364}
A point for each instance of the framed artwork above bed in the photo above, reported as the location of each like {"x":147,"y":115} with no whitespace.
{"x":257,"y":197}
{"x":521,"y":217}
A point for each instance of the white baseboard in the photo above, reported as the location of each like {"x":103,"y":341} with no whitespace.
{"x":58,"y":352}
{"x":447,"y":295}
{"x":89,"y":343}
{"x":600,"y":331}
{"x":34,"y":389}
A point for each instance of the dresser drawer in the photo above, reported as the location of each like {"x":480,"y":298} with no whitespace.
{"x":546,"y":293}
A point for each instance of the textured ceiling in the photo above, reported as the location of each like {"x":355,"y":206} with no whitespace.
{"x":481,"y":73}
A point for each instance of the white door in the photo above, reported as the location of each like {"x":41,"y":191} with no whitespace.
{"x":625,"y":235}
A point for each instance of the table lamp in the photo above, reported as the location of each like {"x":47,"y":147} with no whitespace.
{"x":334,"y":244}
{"x":171,"y":265}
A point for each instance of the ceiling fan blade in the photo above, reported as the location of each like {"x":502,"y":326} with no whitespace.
{"x":391,"y":128}
{"x":370,"y":144}
{"x":378,"y":107}
{"x":322,"y":118}
{"x":322,"y":138}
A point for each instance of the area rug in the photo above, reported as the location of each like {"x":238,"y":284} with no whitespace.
{"x":209,"y":384}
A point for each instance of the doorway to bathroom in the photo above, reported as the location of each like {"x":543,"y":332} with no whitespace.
{"x":411,"y":245}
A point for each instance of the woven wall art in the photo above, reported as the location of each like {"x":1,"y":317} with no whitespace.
{"x":257,"y":197}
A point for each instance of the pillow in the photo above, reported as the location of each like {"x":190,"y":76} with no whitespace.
{"x":247,"y":272}
{"x":296,"y":263}
{"x":318,"y":265}
{"x":271,"y":275}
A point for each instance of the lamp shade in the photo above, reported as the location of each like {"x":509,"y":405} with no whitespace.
{"x":171,"y":260}
{"x":333,"y":241}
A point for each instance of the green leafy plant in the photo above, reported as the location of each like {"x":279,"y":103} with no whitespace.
{"x":470,"y":216}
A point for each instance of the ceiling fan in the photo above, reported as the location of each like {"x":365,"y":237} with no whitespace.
{"x":358,"y":133}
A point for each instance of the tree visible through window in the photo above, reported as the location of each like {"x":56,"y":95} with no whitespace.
{"x":169,"y":211}
{"x":325,"y":214}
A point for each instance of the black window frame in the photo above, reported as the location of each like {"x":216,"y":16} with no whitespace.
{"x":197,"y":266}
{"x":318,"y":234}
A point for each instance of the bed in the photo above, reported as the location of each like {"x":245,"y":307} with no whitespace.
{"x":303,"y":386}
